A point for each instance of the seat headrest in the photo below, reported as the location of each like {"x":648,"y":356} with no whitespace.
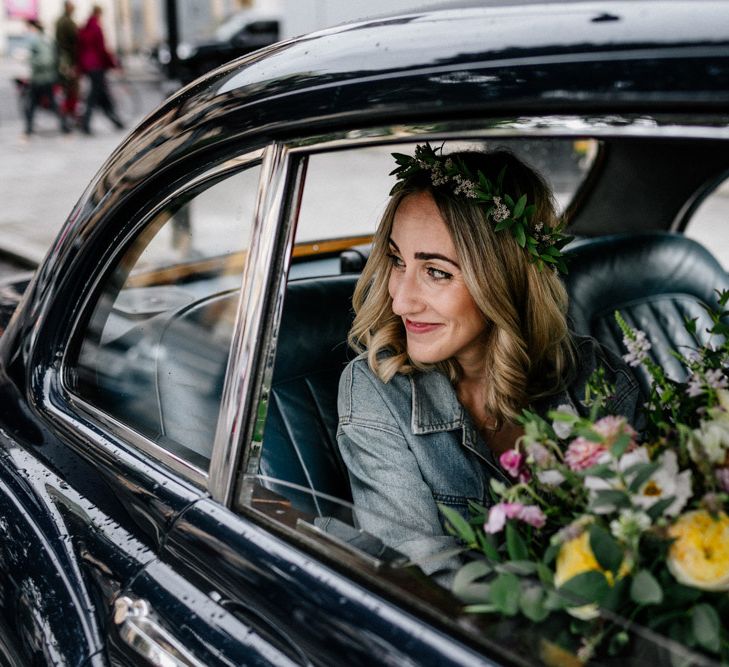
{"x":613,"y":271}
{"x":314,"y":326}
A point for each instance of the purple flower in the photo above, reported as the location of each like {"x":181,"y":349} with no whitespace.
{"x":722,"y":476}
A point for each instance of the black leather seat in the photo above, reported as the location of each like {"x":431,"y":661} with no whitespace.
{"x":299,"y":441}
{"x":655,"y":280}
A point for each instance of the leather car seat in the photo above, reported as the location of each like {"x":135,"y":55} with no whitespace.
{"x":299,"y":440}
{"x":656,"y":281}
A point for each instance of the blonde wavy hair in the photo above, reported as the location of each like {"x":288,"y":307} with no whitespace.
{"x":529,"y":349}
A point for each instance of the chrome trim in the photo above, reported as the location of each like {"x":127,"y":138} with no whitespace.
{"x":124,"y":431}
{"x":626,"y":125}
{"x":117,"y":428}
{"x":243,"y":373}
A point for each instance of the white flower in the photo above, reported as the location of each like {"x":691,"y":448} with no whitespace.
{"x":629,"y":525}
{"x":550,"y":477}
{"x":563,"y":430}
{"x":710,"y":440}
{"x":637,"y":348}
{"x":665,"y":482}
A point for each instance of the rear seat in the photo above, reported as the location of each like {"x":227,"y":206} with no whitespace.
{"x":656,"y":281}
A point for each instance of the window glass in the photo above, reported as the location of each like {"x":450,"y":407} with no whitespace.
{"x":156,"y":347}
{"x":708,"y":224}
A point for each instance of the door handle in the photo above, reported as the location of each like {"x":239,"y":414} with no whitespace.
{"x":139,"y":629}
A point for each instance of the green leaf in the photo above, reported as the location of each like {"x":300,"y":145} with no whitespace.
{"x":531,"y":603}
{"x":519,"y":567}
{"x":643,"y":472}
{"x":706,"y":627}
{"x":519,"y":234}
{"x":689,"y":324}
{"x":461,"y":527}
{"x":620,"y":445}
{"x":505,"y":593}
{"x":645,"y":589}
{"x":480,"y":609}
{"x":546,"y":576}
{"x":656,"y":510}
{"x":609,"y":497}
{"x":586,"y":587}
{"x":607,"y":551}
{"x":519,"y":207}
{"x":488,"y":547}
{"x":601,"y":470}
{"x":469,"y":573}
{"x":515,"y":545}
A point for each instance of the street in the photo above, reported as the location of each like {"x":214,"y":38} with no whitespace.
{"x":42,"y":177}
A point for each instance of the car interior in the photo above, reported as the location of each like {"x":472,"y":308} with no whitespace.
{"x":654,"y":276}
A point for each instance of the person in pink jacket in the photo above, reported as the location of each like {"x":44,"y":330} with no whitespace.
{"x":94,"y":60}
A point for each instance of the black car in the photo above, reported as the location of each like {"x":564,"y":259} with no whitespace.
{"x":170,"y":487}
{"x":240,"y":34}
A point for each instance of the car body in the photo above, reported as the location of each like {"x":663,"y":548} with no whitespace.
{"x":169,"y":485}
{"x":240,"y":34}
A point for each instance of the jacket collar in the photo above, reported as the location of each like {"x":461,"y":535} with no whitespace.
{"x":435,"y":404}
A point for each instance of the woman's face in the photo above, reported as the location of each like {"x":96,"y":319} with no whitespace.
{"x":427,"y":288}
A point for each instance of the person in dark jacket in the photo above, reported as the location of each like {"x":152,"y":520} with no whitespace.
{"x":67,"y":46}
{"x":94,"y":60}
{"x":43,"y":74}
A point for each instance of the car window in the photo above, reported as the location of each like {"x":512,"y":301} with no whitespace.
{"x":154,"y":353}
{"x":708,"y":224}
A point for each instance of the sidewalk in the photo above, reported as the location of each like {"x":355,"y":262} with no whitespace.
{"x":42,"y":177}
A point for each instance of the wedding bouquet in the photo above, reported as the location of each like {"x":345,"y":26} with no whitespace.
{"x":616,"y":534}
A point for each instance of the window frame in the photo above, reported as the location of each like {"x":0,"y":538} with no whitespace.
{"x":119,"y":430}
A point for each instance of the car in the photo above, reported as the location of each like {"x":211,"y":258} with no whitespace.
{"x":241,"y":33}
{"x":170,"y":487}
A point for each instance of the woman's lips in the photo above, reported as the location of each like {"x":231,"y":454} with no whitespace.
{"x":420,"y":327}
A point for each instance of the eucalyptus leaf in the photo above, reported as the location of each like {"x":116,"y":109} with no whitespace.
{"x":620,"y":445}
{"x":586,"y":587}
{"x":546,"y":576}
{"x":608,"y":498}
{"x":469,"y":573}
{"x":608,"y":552}
{"x":531,"y":603}
{"x":505,"y":593}
{"x":645,"y":589}
{"x":488,"y":547}
{"x":706,"y":627}
{"x":521,"y":568}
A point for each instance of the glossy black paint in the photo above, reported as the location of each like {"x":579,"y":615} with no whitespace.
{"x":83,"y":517}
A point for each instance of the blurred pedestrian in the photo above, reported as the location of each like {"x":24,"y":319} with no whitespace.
{"x":94,"y":60}
{"x":67,"y":43}
{"x":43,"y":74}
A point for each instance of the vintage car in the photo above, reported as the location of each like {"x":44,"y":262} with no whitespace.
{"x":171,"y":492}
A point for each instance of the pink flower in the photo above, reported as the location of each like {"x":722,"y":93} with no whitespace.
{"x":583,"y":453}
{"x":500,"y":512}
{"x":611,"y":427}
{"x":515,"y":464}
{"x":722,"y":476}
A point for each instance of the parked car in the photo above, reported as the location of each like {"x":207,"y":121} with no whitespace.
{"x":170,"y":487}
{"x":240,"y":34}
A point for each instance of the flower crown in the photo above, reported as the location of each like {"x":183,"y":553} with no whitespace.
{"x":543,"y":243}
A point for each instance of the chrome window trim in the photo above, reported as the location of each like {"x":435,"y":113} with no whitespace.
{"x":243,"y":378}
{"x":118,"y":429}
{"x":244,"y":458}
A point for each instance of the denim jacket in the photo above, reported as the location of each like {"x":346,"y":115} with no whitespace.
{"x":409,"y":445}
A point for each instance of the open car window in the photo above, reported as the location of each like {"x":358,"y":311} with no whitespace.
{"x":154,"y":352}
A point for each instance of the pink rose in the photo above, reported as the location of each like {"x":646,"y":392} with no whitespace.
{"x":583,"y":453}
{"x":515,"y":464}
{"x":612,"y":427}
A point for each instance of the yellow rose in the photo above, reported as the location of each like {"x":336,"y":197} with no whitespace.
{"x":699,"y":556}
{"x":575,"y":557}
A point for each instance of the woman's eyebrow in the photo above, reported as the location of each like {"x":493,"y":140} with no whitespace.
{"x":435,"y":255}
